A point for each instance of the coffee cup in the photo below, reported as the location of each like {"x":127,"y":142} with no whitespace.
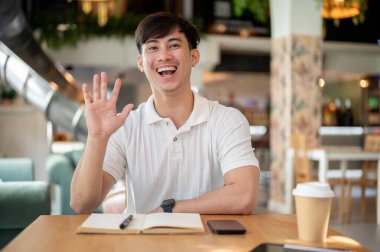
{"x":313,"y":205}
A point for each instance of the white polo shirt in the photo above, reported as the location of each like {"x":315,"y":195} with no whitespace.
{"x":164,"y":162}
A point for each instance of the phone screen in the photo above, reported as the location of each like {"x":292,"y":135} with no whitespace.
{"x":226,"y":227}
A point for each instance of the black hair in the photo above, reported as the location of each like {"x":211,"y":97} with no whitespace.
{"x":160,"y":24}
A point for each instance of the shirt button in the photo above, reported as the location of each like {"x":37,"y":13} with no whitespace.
{"x":167,"y":123}
{"x":175,"y":139}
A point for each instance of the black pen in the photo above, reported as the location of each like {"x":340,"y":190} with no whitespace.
{"x":126,"y":222}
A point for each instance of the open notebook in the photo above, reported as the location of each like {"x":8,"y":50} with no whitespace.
{"x":155,"y":223}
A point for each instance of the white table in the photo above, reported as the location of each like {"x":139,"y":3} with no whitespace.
{"x":65,"y":146}
{"x":324,"y":155}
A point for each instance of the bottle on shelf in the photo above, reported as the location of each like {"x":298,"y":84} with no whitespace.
{"x":329,"y":114}
{"x":347,"y":117}
{"x":339,"y":111}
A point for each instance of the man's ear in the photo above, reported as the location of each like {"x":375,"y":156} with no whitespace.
{"x":195,"y":56}
{"x":140,"y":63}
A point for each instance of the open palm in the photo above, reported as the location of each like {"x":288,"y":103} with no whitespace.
{"x":101,"y":115}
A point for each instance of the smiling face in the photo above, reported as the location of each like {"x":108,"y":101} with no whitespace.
{"x":167,"y":62}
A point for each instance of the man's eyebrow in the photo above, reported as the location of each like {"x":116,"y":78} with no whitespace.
{"x":175,"y":39}
{"x":156,"y":40}
{"x":151,"y":41}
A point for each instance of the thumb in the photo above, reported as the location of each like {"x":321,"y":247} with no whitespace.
{"x":126,"y":110}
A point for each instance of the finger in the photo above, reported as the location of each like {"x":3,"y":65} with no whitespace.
{"x":126,"y":110}
{"x":115,"y":91}
{"x":103,"y":86}
{"x":95,"y":87}
{"x":86,"y":94}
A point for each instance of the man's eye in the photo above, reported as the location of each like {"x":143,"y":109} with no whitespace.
{"x":174,"y":46}
{"x":152,"y":48}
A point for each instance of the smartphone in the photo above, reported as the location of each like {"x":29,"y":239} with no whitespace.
{"x":269,"y":247}
{"x":226,"y":227}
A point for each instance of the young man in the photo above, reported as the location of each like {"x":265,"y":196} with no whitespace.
{"x":182,"y":152}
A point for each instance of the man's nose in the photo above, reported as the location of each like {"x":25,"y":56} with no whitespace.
{"x":164,"y":54}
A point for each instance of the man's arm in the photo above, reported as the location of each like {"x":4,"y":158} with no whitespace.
{"x":237,"y":196}
{"x":90,"y":184}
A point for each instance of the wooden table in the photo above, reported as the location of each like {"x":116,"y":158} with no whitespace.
{"x":58,"y":233}
{"x":324,"y":155}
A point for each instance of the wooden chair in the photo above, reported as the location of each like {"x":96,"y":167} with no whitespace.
{"x":302,"y":164}
{"x":304,"y":171}
{"x":368,"y":178}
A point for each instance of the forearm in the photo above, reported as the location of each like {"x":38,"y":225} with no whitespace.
{"x":236,"y":197}
{"x":220,"y":201}
{"x":87,"y":182}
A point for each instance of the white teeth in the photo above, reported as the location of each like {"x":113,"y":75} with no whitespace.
{"x":168,"y":68}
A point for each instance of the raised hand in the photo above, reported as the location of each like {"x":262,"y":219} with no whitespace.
{"x":101,"y":115}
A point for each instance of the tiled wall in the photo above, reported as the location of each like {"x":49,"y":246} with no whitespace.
{"x":295,"y":100}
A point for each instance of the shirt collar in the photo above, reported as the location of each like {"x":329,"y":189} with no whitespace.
{"x":200,"y":113}
{"x":151,"y":113}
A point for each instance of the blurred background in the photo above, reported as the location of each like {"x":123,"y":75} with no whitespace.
{"x":48,"y":48}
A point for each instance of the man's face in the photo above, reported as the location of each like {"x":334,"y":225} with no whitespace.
{"x":167,"y":62}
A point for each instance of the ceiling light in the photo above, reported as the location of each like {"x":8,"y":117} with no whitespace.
{"x":338,"y":9}
{"x":321,"y":82}
{"x":99,"y":7}
{"x":364,"y":83}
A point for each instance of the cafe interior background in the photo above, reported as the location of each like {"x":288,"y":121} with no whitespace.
{"x":284,"y":65}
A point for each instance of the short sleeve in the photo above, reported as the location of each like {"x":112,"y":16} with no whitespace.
{"x":234,"y":141}
{"x":115,"y":159}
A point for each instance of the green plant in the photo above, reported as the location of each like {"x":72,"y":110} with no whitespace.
{"x":259,"y":8}
{"x":72,"y":26}
{"x":8,"y":93}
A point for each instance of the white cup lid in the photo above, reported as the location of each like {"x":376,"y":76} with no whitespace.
{"x":313,"y":189}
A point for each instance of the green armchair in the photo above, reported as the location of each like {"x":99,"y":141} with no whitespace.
{"x":60,"y":170}
{"x":16,"y":169}
{"x":21,"y":202}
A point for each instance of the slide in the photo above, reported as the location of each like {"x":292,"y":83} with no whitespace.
{"x":41,"y":82}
